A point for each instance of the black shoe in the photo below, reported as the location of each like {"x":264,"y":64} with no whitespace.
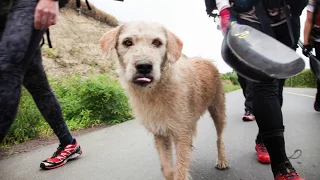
{"x":316,"y":105}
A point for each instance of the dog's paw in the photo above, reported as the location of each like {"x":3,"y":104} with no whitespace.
{"x":168,"y":174}
{"x":222,"y":165}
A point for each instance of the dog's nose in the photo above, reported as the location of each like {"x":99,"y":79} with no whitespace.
{"x":144,"y":67}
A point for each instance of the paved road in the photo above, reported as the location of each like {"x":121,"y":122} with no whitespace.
{"x":126,"y":151}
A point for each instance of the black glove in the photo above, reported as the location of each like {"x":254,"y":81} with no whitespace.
{"x":306,"y":50}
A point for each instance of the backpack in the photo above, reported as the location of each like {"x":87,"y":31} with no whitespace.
{"x":243,"y":5}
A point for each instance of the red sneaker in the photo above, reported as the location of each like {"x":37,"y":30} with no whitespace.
{"x":287,"y":172}
{"x":262,"y":154}
{"x":248,"y":116}
{"x":290,"y":176}
{"x":61,"y":156}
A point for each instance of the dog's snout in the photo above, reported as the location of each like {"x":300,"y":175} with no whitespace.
{"x":144,"y":67}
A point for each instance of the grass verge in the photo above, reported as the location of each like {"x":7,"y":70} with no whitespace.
{"x":85,"y":102}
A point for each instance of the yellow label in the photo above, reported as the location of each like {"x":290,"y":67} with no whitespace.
{"x":242,"y":35}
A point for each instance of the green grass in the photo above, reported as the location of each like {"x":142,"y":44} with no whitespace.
{"x":230,"y":82}
{"x":231,"y":87}
{"x":305,"y":79}
{"x":85,"y":102}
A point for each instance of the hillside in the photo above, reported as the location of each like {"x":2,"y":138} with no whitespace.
{"x":75,"y":41}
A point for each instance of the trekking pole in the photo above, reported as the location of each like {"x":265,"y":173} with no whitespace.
{"x":314,"y":63}
{"x":300,"y":43}
{"x":301,"y":46}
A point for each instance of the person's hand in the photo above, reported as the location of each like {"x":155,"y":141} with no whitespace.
{"x":306,"y":50}
{"x":225,"y":20}
{"x":46,"y":14}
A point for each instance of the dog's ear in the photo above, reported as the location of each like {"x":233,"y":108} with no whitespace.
{"x":108,"y":41}
{"x":174,"y":47}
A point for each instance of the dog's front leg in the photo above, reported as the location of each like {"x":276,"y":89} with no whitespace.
{"x":164,"y":148}
{"x":183,"y":144}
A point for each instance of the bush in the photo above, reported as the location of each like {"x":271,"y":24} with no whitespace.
{"x":231,"y":76}
{"x":85,"y":102}
{"x":96,"y":98}
{"x":27,"y":122}
{"x":303,"y":79}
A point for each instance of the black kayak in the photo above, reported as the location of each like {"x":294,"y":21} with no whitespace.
{"x":259,"y":57}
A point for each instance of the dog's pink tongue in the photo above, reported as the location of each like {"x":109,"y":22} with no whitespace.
{"x":144,"y":79}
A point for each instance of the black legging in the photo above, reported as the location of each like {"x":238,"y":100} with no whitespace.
{"x":247,"y":90}
{"x":267,"y":97}
{"x":317,"y":49}
{"x":267,"y":100}
{"x":21,"y":63}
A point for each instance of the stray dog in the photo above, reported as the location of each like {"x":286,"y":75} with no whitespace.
{"x":168,"y":93}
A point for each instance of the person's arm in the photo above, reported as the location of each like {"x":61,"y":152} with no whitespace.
{"x":307,"y":27}
{"x":46,"y":14}
{"x":222,"y":6}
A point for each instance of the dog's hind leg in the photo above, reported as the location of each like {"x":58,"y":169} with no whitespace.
{"x":164,"y":148}
{"x":217,"y":111}
{"x":183,"y":145}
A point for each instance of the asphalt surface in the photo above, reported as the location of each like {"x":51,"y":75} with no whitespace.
{"x":126,"y":151}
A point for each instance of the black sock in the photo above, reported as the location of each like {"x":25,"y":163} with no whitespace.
{"x":259,"y":139}
{"x":276,"y":149}
{"x":65,"y":140}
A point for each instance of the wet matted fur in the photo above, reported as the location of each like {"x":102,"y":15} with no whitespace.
{"x":168,"y":93}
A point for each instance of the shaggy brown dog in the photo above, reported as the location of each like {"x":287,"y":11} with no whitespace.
{"x":168,"y":95}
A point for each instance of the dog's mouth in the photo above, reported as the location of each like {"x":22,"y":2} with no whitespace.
{"x":143,"y":80}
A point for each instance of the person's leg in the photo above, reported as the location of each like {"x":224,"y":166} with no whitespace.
{"x":268,"y":114}
{"x":262,"y":153}
{"x":246,"y":87}
{"x":35,"y":81}
{"x":317,"y":101}
{"x":248,"y":116}
{"x":242,"y":82}
{"x":318,"y":91}
{"x":267,"y":101}
{"x":17,"y":41}
{"x":316,"y":104}
{"x":280,"y":90}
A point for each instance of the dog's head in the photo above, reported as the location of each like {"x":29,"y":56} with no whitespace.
{"x":143,"y":50}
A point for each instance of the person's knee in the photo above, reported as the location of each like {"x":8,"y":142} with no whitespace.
{"x":265,"y":88}
{"x":36,"y":87}
{"x":276,"y":131}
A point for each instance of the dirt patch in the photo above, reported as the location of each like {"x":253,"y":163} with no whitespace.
{"x":76,"y":50}
{"x":44,"y":141}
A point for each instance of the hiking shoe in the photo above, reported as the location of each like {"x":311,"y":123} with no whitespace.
{"x":316,"y":105}
{"x":62,"y":155}
{"x":285,"y":171}
{"x":248,"y":116}
{"x":262,"y":154}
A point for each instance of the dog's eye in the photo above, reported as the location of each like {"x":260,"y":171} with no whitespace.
{"x":127,"y":42}
{"x":157,"y":42}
